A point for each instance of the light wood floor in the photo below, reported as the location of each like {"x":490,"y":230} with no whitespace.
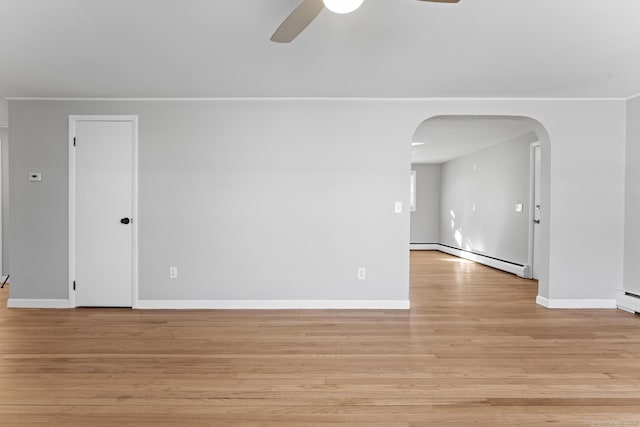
{"x":474,"y":350}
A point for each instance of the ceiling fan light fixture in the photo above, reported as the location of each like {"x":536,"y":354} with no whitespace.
{"x":342,"y":6}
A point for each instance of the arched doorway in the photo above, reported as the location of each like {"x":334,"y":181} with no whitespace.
{"x":492,"y":191}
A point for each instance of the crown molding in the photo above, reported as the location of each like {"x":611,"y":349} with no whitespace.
{"x":357,"y":99}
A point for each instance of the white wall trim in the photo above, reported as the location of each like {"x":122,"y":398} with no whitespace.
{"x":576,"y":303}
{"x":275,"y":304}
{"x":423,"y":246}
{"x":37,"y":303}
{"x":532,"y":208}
{"x":519,"y":270}
{"x":72,"y":211}
{"x":627,"y":303}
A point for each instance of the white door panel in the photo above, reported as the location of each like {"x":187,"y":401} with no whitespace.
{"x":103,"y":197}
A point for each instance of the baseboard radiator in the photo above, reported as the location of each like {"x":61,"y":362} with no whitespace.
{"x":628,"y":301}
{"x":519,"y":270}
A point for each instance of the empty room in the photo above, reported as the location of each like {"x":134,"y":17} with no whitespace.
{"x":320,"y":212}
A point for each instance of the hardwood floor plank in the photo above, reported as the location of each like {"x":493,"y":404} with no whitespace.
{"x":474,"y":349}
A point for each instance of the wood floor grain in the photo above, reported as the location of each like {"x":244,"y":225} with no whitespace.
{"x":474,"y":349}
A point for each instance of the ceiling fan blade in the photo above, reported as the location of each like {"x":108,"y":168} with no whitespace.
{"x":442,"y":1}
{"x":295,"y":23}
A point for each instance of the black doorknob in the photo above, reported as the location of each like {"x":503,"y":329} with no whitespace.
{"x":125,"y":221}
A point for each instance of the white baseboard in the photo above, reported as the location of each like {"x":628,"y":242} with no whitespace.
{"x":37,"y":303}
{"x":627,"y":302}
{"x":518,"y":270}
{"x":274,"y":304}
{"x":423,"y":246}
{"x":576,"y":303}
{"x":234,"y":304}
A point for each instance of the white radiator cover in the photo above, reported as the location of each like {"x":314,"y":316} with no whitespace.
{"x":626,"y":302}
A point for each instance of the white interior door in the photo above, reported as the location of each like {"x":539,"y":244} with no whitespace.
{"x":103,"y":183}
{"x":537,"y":207}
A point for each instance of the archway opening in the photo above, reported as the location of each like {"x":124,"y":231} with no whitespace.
{"x":480,"y":191}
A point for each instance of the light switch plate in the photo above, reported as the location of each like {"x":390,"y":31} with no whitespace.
{"x":519,"y":207}
{"x":398,"y":207}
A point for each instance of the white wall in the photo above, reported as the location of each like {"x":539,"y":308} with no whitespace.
{"x":326,"y":176}
{"x":479,"y":194}
{"x":632,"y":201}
{"x":425,"y":221}
{"x":251,"y":200}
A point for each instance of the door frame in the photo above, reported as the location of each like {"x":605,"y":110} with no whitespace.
{"x":1,"y":209}
{"x":73,"y":119}
{"x":532,"y":212}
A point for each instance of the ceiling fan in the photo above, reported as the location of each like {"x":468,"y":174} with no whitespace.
{"x":307,"y":11}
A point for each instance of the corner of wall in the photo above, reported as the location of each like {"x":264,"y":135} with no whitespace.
{"x":4,"y":113}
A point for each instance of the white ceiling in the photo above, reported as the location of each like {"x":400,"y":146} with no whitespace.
{"x":388,"y":48}
{"x":448,"y":137}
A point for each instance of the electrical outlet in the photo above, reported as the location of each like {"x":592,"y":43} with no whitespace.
{"x":173,"y":272}
{"x":362,"y":273}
